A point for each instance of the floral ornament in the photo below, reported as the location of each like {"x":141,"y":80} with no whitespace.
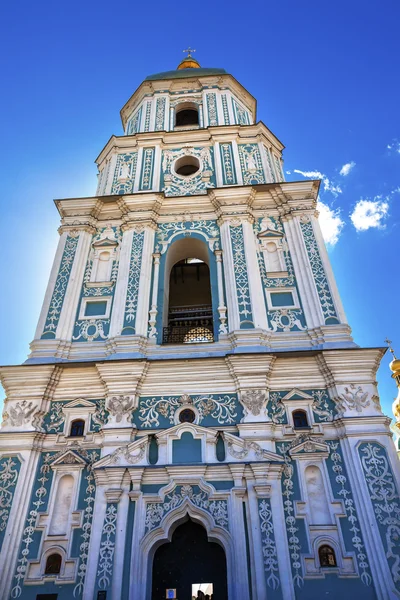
{"x":290,"y":515}
{"x":156,"y":511}
{"x":91,"y":329}
{"x":166,"y":231}
{"x":351,"y":513}
{"x":221,"y":408}
{"x":241,"y":277}
{"x":9,"y":471}
{"x":385,"y":501}
{"x":321,"y":405}
{"x":276,"y":408}
{"x":268,"y":544}
{"x":107,"y":548}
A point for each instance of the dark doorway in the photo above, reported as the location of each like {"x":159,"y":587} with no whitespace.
{"x":189,"y":558}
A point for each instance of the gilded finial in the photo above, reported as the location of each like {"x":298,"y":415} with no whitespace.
{"x":189,"y":62}
{"x":389,"y":342}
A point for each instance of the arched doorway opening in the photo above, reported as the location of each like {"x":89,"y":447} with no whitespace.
{"x":188,"y":561}
{"x":188,"y":309}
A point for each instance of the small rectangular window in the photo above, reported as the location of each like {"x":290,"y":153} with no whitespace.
{"x":46,"y":596}
{"x":95,"y":309}
{"x":282,"y":299}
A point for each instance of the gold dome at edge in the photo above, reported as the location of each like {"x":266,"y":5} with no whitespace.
{"x":189,"y":63}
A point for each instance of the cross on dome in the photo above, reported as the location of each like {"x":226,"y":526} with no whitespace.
{"x":189,"y":50}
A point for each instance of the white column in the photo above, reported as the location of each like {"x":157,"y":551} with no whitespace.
{"x":230,"y":282}
{"x":145,"y":282}
{"x":221,"y":299}
{"x":267,"y":170}
{"x":328,"y":270}
{"x":136,"y":183}
{"x":259,"y":585}
{"x":72,"y":295}
{"x":304,"y":277}
{"x":218,"y":166}
{"x":240,"y":576}
{"x":110,"y":174}
{"x":238,"y":168}
{"x":232,"y":120}
{"x":153,"y":311}
{"x":117,"y":316}
{"x":50,"y":286}
{"x":120,"y":541}
{"x":254,"y":277}
{"x":282,"y":549}
{"x":220,"y":110}
{"x":96,"y":531}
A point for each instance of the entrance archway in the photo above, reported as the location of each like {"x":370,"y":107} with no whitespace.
{"x":187,"y":560}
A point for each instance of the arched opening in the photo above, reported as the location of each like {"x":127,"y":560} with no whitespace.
{"x":300,"y":420}
{"x":53,"y":564}
{"x":327,"y":556}
{"x":188,"y":311}
{"x":188,"y":561}
{"x":186,"y":114}
{"x":186,"y":166}
{"x":77,"y":428}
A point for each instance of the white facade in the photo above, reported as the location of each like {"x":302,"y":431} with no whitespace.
{"x":253,"y":414}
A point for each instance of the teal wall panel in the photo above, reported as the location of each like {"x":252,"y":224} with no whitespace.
{"x":186,"y":450}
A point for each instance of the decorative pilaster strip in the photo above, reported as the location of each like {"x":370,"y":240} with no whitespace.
{"x":268,"y":544}
{"x":133,"y":283}
{"x":385,"y":499}
{"x":241,"y":277}
{"x":107,"y":549}
{"x":225,"y":109}
{"x":241,"y":114}
{"x":221,"y":300}
{"x":318,"y":271}
{"x":160,"y":114}
{"x":341,"y":487}
{"x":57,"y":298}
{"x":9,"y":472}
{"x":212,"y":110}
{"x":153,"y":309}
{"x":228,"y":164}
{"x":147,"y":118}
{"x":134,"y":123}
{"x":279,"y":170}
{"x":270,"y":167}
{"x":146,"y":175}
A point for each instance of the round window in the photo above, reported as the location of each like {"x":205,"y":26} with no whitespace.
{"x":187,"y":416}
{"x":186,"y":166}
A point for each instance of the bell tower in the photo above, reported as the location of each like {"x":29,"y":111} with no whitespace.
{"x":194,"y":415}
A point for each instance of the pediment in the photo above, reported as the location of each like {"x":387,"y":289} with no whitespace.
{"x":195,"y":430}
{"x":79,"y":403}
{"x":270,"y":233}
{"x":69,"y":458}
{"x":241,"y":447}
{"x":105,"y":243}
{"x":125,"y":456}
{"x":296,"y":394}
{"x":305,"y":444}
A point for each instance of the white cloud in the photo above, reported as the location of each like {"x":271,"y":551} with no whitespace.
{"x":331,"y":223}
{"x":345,"y":170}
{"x":370,"y":213}
{"x":394,"y":145}
{"x":326,"y":182}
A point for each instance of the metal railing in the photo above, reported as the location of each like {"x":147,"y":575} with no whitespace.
{"x":195,"y":332}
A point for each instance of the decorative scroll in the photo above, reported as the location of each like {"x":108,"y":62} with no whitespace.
{"x":213,"y":409}
{"x":125,"y":173}
{"x":156,"y":511}
{"x":198,"y":183}
{"x":107,"y":548}
{"x":318,"y":271}
{"x":241,"y":278}
{"x":251,"y":164}
{"x":385,"y":500}
{"x":228,"y":164}
{"x":337,"y":472}
{"x":132,"y":294}
{"x":9,"y":472}
{"x":166,"y":231}
{"x":268,"y":544}
{"x":57,"y":298}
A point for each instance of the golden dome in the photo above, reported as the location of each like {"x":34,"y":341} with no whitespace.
{"x":394,"y":366}
{"x":188,"y":63}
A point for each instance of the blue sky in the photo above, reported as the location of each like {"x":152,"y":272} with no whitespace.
{"x":325,"y":76}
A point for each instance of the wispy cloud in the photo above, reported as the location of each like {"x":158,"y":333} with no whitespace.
{"x":345,"y":170}
{"x":394,"y":146}
{"x":326,"y":182}
{"x":331,"y":223}
{"x":368,"y":214}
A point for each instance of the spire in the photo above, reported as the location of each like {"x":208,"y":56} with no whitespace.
{"x":189,"y":62}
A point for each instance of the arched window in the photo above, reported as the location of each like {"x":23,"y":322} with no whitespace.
{"x":53,"y":564}
{"x":77,"y":428}
{"x":300,"y":420}
{"x":327,"y":557}
{"x":103,"y":267}
{"x":186,"y":114}
{"x":188,"y":307}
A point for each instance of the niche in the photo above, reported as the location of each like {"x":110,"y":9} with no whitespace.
{"x":318,"y":504}
{"x":62,"y":506}
{"x":186,"y":114}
